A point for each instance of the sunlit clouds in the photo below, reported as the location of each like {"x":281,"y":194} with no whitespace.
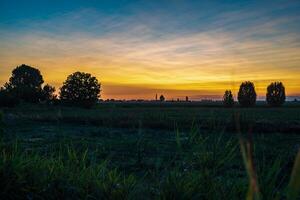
{"x":136,"y":56}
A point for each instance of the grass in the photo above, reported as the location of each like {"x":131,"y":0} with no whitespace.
{"x":158,"y":116}
{"x":45,"y":156}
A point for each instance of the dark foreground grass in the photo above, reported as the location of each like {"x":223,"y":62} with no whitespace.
{"x":206,"y":172}
{"x":59,"y":160}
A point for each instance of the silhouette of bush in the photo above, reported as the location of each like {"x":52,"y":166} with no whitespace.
{"x":7,"y":99}
{"x":48,"y":94}
{"x":275,"y":94}
{"x":80,"y":89}
{"x":247,"y":94}
{"x":228,"y":100}
{"x":1,"y":125}
{"x":25,"y":84}
{"x":162,"y":98}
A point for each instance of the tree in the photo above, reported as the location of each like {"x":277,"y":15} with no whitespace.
{"x":275,"y":94}
{"x":48,"y":93}
{"x":80,"y":89}
{"x":26,"y":83}
{"x":247,"y":94}
{"x":162,"y":98}
{"x":228,"y":98}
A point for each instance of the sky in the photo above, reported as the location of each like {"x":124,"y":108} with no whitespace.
{"x":140,"y":48}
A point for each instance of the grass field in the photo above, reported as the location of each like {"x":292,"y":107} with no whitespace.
{"x":149,"y":151}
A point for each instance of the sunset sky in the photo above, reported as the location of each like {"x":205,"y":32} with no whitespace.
{"x":139,"y":48}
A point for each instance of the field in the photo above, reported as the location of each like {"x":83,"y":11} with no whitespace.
{"x":149,"y":151}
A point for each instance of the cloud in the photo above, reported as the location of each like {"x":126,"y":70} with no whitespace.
{"x":133,"y":52}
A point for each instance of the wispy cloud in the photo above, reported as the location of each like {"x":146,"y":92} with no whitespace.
{"x":136,"y":53}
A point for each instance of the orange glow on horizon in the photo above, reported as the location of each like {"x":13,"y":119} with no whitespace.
{"x":138,"y":69}
{"x":205,"y":88}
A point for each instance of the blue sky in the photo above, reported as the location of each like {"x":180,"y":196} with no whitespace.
{"x":179,"y":15}
{"x":138,"y":48}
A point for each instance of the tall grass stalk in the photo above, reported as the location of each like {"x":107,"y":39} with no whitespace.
{"x":246,"y":146}
{"x":294,"y":185}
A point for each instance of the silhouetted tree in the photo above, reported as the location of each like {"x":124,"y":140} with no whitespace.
{"x":25,"y":83}
{"x":228,"y":98}
{"x":247,"y":94}
{"x":162,"y":98}
{"x":80,"y":89}
{"x":48,"y":93}
{"x":275,"y":94}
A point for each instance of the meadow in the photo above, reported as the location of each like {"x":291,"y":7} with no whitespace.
{"x":152,"y":150}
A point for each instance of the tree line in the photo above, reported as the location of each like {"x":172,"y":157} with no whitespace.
{"x":26,"y":84}
{"x":275,"y":95}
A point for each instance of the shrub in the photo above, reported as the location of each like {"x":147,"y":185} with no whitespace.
{"x":48,"y":94}
{"x":7,"y":99}
{"x":80,"y":89}
{"x":275,"y":94}
{"x":1,"y":123}
{"x":162,"y":98}
{"x":247,"y":94}
{"x":228,"y":99}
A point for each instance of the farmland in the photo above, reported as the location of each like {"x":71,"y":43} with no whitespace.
{"x":146,"y":150}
